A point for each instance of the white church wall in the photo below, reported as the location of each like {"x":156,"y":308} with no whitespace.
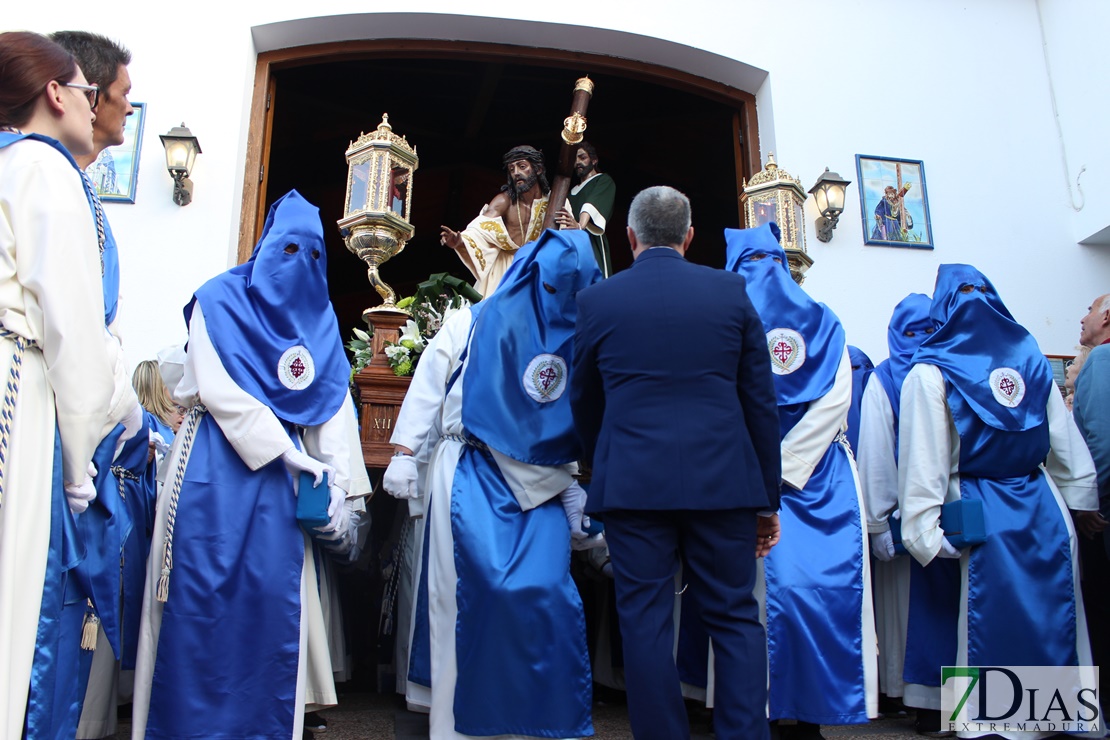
{"x":1074,"y":34}
{"x":962,"y":86}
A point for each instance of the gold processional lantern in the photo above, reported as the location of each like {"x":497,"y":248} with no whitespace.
{"x":376,"y":225}
{"x":774,"y":195}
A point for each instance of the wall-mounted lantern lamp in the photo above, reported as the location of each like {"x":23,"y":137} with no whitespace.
{"x":828,"y":192}
{"x":182,"y":149}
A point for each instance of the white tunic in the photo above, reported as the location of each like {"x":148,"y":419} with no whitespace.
{"x":878,"y":473}
{"x":50,"y":290}
{"x":429,"y":411}
{"x":929,"y":477}
{"x":259,"y":438}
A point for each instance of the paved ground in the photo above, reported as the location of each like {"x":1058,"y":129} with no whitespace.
{"x":382,"y":717}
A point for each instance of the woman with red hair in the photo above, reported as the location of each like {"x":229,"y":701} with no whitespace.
{"x":57,"y":394}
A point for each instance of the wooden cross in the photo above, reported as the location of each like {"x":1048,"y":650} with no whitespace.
{"x":574,"y":129}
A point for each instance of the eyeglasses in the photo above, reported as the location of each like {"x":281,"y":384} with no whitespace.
{"x":92,"y":92}
{"x":180,"y":409}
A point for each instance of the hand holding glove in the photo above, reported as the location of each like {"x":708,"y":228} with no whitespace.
{"x":882,"y":545}
{"x":400,"y":477}
{"x":947,"y":550}
{"x":574,"y":506}
{"x":296,"y":462}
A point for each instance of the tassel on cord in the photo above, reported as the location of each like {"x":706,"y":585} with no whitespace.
{"x":162,"y":593}
{"x":90,"y":628}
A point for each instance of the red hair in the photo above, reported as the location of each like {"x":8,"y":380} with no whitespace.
{"x":28,"y":62}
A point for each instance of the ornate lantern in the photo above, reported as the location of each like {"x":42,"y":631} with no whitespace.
{"x":376,"y":226}
{"x":376,"y":223}
{"x":775,"y":195}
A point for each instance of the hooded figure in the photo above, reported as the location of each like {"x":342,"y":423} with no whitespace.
{"x":862,"y":367}
{"x":915,"y":608}
{"x":981,"y":422}
{"x":499,"y":632}
{"x":820,"y":629}
{"x":232,"y":636}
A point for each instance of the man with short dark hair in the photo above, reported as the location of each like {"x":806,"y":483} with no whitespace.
{"x":104,"y":63}
{"x":673,"y":400}
{"x":591,"y":203}
{"x":512,"y":219}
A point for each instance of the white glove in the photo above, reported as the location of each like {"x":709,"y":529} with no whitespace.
{"x":80,"y":495}
{"x":574,"y":506}
{"x":160,"y":445}
{"x":132,"y":423}
{"x":400,"y":477}
{"x":947,"y":550}
{"x":297,"y":462}
{"x":339,"y":511}
{"x":882,"y":545}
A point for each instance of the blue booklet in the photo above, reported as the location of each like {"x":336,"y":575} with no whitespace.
{"x":312,"y":502}
{"x":962,"y":522}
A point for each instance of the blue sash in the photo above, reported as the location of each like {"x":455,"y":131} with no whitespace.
{"x":60,"y":670}
{"x":229,"y":647}
{"x":104,"y":527}
{"x":1021,"y":600}
{"x":815,"y":596}
{"x":140,"y":488}
{"x":523,"y":664}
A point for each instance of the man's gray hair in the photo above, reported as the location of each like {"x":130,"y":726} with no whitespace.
{"x":1105,"y":306}
{"x":660,"y":217}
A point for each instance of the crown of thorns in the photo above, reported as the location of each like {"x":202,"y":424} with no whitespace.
{"x":527,"y":153}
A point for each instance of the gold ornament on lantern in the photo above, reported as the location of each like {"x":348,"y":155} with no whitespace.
{"x":773,"y":194}
{"x":376,"y":224}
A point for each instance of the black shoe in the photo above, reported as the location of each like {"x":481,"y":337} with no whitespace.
{"x":313,"y":723}
{"x":891,"y":706}
{"x":806,"y":731}
{"x":928,"y":724}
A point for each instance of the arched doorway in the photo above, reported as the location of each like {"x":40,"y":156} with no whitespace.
{"x":462,"y":104}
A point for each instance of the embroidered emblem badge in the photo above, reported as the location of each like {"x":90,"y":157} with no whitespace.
{"x":296,"y":370}
{"x":1007,"y":386}
{"x":545,"y":378}
{"x":788,"y":350}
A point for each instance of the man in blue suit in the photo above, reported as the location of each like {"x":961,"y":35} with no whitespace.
{"x":673,"y":398}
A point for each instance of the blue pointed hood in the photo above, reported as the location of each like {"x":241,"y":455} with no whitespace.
{"x":804,"y":337}
{"x":990,"y":359}
{"x":909,"y":326}
{"x":272,"y":323}
{"x":521,"y":352}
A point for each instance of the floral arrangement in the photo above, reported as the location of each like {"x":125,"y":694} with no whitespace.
{"x":436,"y":299}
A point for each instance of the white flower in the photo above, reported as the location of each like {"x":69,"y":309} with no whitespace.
{"x":452,"y":309}
{"x":396,"y":352}
{"x":411,"y":332}
{"x":361,"y":334}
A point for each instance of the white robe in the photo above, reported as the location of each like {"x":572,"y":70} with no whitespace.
{"x":50,"y":290}
{"x":425,"y":415}
{"x":878,"y":473}
{"x":488,"y":248}
{"x":259,"y":438}
{"x":929,"y":477}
